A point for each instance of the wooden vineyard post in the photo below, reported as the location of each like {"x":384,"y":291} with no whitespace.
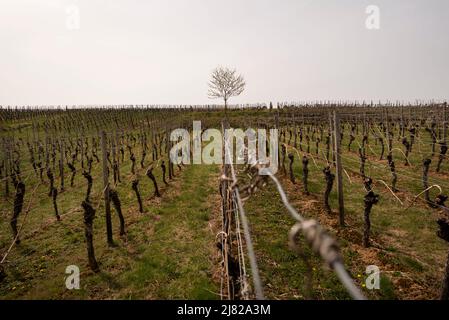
{"x":107,"y":204}
{"x":6,"y":161}
{"x":61,"y":162}
{"x":332,"y":142}
{"x":341,"y":208}
{"x":171,"y":173}
{"x":296,"y":131}
{"x":89,"y":215}
{"x":82,"y":151}
{"x":443,"y":233}
{"x":444,"y":122}
{"x":114,"y":160}
{"x":365,"y":130}
{"x":277,"y":129}
{"x":444,"y":295}
{"x":387,"y":122}
{"x":46,"y":149}
{"x":402,"y":122}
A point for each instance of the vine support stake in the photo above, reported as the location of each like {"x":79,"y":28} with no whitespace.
{"x":341,"y":207}
{"x":107,"y":203}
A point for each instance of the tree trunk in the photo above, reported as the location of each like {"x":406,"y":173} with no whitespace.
{"x":445,"y":289}
{"x":89,"y":215}
{"x":226,"y":107}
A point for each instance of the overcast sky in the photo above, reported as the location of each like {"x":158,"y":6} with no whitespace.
{"x":162,"y":52}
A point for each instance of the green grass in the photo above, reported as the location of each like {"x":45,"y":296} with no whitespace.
{"x":404,"y":237}
{"x":283,"y":273}
{"x":177,"y":262}
{"x":167,"y":253}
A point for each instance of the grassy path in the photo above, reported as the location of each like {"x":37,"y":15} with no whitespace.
{"x":168,"y":252}
{"x":410,"y":268}
{"x":177,"y":264}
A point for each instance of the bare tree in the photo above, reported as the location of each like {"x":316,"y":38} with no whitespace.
{"x":225,"y":83}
